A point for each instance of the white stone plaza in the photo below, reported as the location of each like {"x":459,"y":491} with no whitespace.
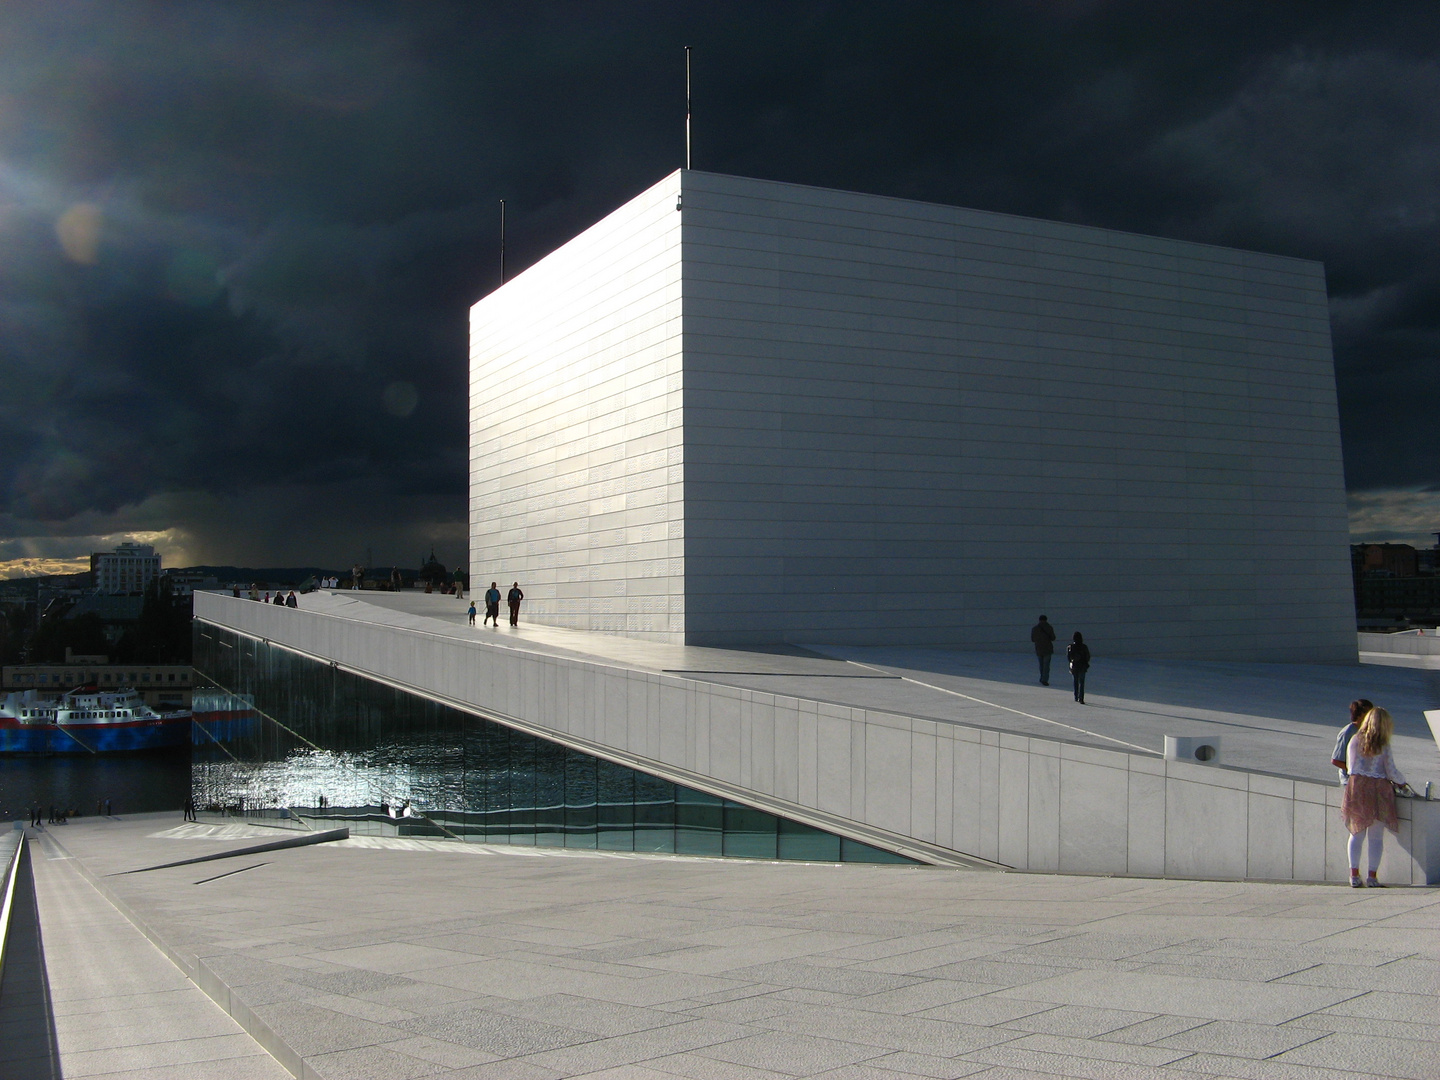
{"x":737,"y":411}
{"x":381,"y":959}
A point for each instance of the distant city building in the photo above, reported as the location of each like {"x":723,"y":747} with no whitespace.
{"x":161,"y":685}
{"x":127,"y":569}
{"x":1397,"y":560}
{"x":185,"y":582}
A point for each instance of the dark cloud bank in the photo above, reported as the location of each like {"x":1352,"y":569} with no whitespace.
{"x":240,"y":239}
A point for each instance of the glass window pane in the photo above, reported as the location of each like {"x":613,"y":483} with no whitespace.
{"x":749,"y":833}
{"x":549,"y":794}
{"x":654,"y":813}
{"x":615,"y":807}
{"x":799,"y":841}
{"x":699,"y":823}
{"x":579,"y":799}
{"x":855,"y":851}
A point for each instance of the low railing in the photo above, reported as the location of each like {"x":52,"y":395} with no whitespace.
{"x":1406,"y":642}
{"x":11,"y":847}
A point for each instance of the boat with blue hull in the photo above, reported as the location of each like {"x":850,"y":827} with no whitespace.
{"x":88,"y":721}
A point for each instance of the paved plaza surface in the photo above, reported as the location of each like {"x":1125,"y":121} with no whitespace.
{"x":401,"y":958}
{"x":1274,"y":718}
{"x":88,"y":996}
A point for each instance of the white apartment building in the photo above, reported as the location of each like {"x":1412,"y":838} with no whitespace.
{"x":127,"y":569}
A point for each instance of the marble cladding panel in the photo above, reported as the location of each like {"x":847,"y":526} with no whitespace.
{"x":575,"y":448}
{"x":890,"y":406}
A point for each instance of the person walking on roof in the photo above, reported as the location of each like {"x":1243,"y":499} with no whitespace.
{"x":513,"y":598}
{"x":1042,"y":636}
{"x":1078,"y":653}
{"x":492,"y":604}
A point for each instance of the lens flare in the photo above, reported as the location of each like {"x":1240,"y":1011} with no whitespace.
{"x":78,"y":230}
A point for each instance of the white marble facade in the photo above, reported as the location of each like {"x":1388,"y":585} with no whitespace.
{"x":737,"y":411}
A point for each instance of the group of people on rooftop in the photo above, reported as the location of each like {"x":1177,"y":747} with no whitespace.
{"x":492,"y":604}
{"x":1077,"y":654}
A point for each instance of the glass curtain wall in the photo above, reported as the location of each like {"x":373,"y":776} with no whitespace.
{"x":276,"y":732}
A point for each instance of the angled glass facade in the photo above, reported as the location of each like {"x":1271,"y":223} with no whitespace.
{"x":279,"y":732}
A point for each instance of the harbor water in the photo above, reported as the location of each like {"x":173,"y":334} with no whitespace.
{"x":134,"y":783}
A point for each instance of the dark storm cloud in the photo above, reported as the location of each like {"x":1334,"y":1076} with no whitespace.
{"x":240,"y":240}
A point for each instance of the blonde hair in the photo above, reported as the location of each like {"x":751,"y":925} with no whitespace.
{"x":1375,"y":731}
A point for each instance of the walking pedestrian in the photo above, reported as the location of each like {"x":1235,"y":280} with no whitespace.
{"x":1042,"y":635}
{"x":513,"y":598}
{"x":189,"y":807}
{"x":1078,"y":653}
{"x":492,"y":605}
{"x":1368,"y":805}
{"x":1358,"y":709}
{"x":472,"y":612}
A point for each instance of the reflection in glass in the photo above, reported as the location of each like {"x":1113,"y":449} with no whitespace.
{"x":280,"y":733}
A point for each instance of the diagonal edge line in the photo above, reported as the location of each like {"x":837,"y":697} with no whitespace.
{"x":304,"y":840}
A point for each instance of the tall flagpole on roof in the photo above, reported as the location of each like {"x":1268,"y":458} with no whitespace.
{"x":687,"y":106}
{"x":502,"y":241}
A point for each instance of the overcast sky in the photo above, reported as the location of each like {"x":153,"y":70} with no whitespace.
{"x":238,"y":241}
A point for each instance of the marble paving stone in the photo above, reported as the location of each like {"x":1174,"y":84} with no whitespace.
{"x":1076,"y":1020}
{"x":1329,"y":1021}
{"x":1406,"y":976}
{"x":890,"y":1032}
{"x":1215,"y":999}
{"x":640,"y":1046}
{"x":372,"y":1063}
{"x":696,"y":1067}
{"x":483,"y":1029}
{"x":505,"y":1070}
{"x":1154,"y":1029}
{"x":793,"y":1055}
{"x":1040,"y":1063}
{"x":1125,"y":1053}
{"x":1241,"y":1040}
{"x":604,"y":1018}
{"x":1384,"y":1005}
{"x":911,"y":1064}
{"x":987,"y":1009}
{"x":1368,"y":1053}
{"x":832,"y":980}
{"x":919,"y":997}
{"x":1226,"y":967}
{"x":1244,"y":1069}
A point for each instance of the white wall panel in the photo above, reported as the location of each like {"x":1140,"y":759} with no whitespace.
{"x":908,"y":423}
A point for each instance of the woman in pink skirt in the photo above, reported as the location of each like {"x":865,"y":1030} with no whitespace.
{"x":1368,"y":805}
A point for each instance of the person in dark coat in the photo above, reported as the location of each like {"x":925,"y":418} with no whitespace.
{"x":1042,"y":636}
{"x":492,"y":604}
{"x":513,"y":598}
{"x":1078,"y":653}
